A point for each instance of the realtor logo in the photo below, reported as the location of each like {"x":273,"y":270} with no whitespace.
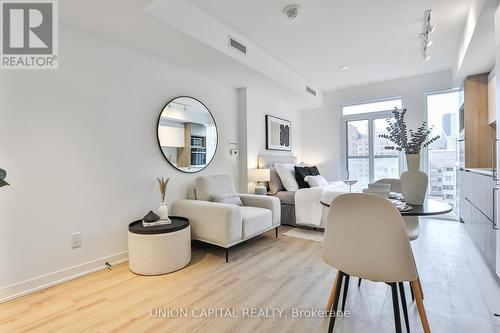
{"x":29,"y":34}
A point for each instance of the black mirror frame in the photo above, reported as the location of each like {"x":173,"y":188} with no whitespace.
{"x":216,"y":131}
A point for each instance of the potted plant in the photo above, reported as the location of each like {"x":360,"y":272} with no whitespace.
{"x":3,"y":174}
{"x":413,"y":182}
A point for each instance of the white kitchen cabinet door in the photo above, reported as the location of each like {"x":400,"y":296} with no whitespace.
{"x":466,"y":212}
{"x":461,"y":201}
{"x":484,"y":194}
{"x":468,"y":186}
{"x":486,"y":240}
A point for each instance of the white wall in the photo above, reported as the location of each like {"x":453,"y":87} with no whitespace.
{"x":321,"y":127}
{"x":257,"y":105}
{"x":79,"y":145}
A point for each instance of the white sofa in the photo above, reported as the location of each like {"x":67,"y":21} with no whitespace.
{"x":223,"y":224}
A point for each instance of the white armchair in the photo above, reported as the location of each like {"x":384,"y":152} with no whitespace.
{"x":224,"y":224}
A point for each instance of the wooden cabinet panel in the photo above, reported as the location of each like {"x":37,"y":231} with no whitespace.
{"x":184,"y":157}
{"x":479,"y":136}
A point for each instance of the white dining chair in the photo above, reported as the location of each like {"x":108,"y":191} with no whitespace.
{"x":366,"y":238}
{"x":411,"y":222}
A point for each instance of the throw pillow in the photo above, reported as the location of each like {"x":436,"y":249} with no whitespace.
{"x":300,"y":174}
{"x":313,"y":171}
{"x":275,"y":184}
{"x":287,"y":176}
{"x":316,"y":181}
{"x":229,"y":198}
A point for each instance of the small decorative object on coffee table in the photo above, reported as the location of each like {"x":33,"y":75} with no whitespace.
{"x":163,"y":209}
{"x":413,"y":182}
{"x":151,"y":219}
{"x":159,"y":249}
{"x":3,"y":174}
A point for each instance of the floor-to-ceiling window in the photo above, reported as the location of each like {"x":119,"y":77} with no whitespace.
{"x":364,"y":155}
{"x":442,"y":156}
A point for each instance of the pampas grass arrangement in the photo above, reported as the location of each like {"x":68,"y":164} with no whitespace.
{"x":163,"y":187}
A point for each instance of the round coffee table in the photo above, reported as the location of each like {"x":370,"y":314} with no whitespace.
{"x":159,"y":249}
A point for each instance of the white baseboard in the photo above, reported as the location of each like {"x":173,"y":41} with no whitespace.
{"x":48,"y":280}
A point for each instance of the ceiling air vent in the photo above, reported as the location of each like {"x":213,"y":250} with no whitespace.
{"x":237,"y":45}
{"x":311,"y":90}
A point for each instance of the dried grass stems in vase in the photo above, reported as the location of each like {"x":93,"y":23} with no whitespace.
{"x":163,"y":209}
{"x":163,"y":187}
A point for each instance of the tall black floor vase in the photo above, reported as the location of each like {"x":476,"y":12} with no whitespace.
{"x":395,"y":305}
{"x":335,"y":305}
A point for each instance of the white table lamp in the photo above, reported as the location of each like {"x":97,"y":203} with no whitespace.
{"x":260,"y":176}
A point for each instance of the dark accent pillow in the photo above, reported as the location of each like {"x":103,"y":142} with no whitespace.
{"x":313,"y":171}
{"x":300,"y":174}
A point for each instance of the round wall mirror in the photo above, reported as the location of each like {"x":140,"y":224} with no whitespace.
{"x":187,"y":134}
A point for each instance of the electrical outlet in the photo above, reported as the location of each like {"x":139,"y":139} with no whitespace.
{"x":76,"y":240}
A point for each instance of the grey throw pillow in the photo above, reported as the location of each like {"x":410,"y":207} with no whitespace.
{"x":275,"y":184}
{"x":229,"y":198}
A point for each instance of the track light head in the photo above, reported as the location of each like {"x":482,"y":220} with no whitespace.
{"x":425,"y":35}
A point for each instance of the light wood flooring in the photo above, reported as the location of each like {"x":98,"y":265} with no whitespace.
{"x":461,"y":294}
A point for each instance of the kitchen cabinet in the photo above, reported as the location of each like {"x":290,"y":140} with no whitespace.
{"x":479,"y":136}
{"x":483,"y":198}
{"x":477,"y":212}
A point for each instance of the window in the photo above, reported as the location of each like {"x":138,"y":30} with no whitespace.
{"x":443,"y":116}
{"x":364,"y":155}
{"x":370,"y":107}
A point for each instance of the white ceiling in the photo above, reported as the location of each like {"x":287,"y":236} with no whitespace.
{"x":378,"y":40}
{"x":126,"y":22}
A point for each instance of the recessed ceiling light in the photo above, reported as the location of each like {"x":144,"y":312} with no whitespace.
{"x":292,"y":12}
{"x":344,"y":67}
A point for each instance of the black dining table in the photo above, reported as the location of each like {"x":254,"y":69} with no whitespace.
{"x":430,"y":207}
